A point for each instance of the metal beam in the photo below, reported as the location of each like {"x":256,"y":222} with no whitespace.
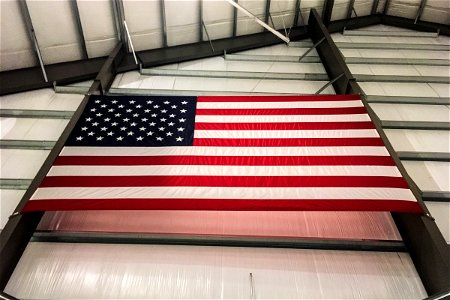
{"x":267,"y":14}
{"x":396,"y":46}
{"x":27,"y":144}
{"x":420,"y":10}
{"x":236,"y":74}
{"x":424,"y":156}
{"x":162,"y":11}
{"x":390,"y":33}
{"x":327,"y":11}
{"x":76,"y":15}
{"x":32,"y":36}
{"x":350,"y":9}
{"x":272,"y":58}
{"x":419,"y":25}
{"x":386,"y":7}
{"x":296,"y":13}
{"x":200,"y":21}
{"x":387,"y":124}
{"x":223,"y":241}
{"x":20,"y":227}
{"x":408,"y":100}
{"x":119,"y":17}
{"x":401,"y":78}
{"x":14,"y":184}
{"x":374,"y":7}
{"x":169,"y":92}
{"x":29,"y":113}
{"x":436,"y":196}
{"x":235,"y":20}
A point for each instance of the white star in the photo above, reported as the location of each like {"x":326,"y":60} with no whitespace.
{"x":154,"y":115}
{"x":79,"y":138}
{"x":142,"y":129}
{"x":150,"y":133}
{"x":163,"y":111}
{"x":180,"y":129}
{"x":126,"y":120}
{"x":172,"y":116}
{"x":99,"y":138}
{"x":144,"y":119}
{"x":88,"y":119}
{"x":123,"y":128}
{"x":147,"y":110}
{"x":179,"y":139}
{"x":169,"y":133}
{"x":97,"y":101}
{"x":107,"y":119}
{"x":139,"y":138}
{"x":152,"y":124}
{"x":133,"y":124}
{"x":167,"y":102}
{"x":119,"y":138}
{"x":94,"y":124}
{"x":120,"y":106}
{"x":181,"y":120}
{"x":84,"y":128}
{"x":132,"y":102}
{"x":99,"y":115}
{"x":149,"y":102}
{"x":184,"y":102}
{"x":93,"y":109}
{"x":171,"y":124}
{"x":129,"y":110}
{"x":136,"y":115}
{"x":91,"y":133}
{"x":114,"y":124}
{"x":103,"y":129}
{"x":110,"y":133}
{"x":159,"y":138}
{"x":114,"y":101}
{"x":117,"y":115}
{"x":161,"y":128}
{"x":130,"y":133}
{"x":174,"y":106}
{"x":163,"y":119}
{"x":111,"y":110}
{"x":183,"y":111}
{"x":103,"y":105}
{"x":155,"y":106}
{"x":138,"y":106}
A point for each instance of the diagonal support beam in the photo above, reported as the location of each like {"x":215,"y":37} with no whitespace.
{"x":76,"y":14}
{"x":420,"y":11}
{"x":265,"y":25}
{"x":375,"y":7}
{"x":20,"y":227}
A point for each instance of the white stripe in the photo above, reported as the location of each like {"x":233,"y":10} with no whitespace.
{"x":289,"y":104}
{"x":174,"y":170}
{"x":224,"y":193}
{"x":225,"y":151}
{"x":283,"y":134}
{"x":281,"y":119}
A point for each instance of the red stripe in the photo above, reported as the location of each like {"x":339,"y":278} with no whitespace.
{"x":276,"y":98}
{"x":224,"y":204}
{"x":225,"y":160}
{"x":225,"y":181}
{"x":285,"y":126}
{"x":298,"y":142}
{"x":283,"y":111}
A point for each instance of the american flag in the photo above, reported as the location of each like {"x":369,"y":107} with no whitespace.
{"x":224,"y":153}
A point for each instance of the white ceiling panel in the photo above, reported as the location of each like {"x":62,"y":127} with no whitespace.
{"x":437,"y":11}
{"x":340,"y":9}
{"x":403,"y":8}
{"x":16,"y":50}
{"x":144,"y":22}
{"x":99,"y":30}
{"x":183,"y":21}
{"x":283,"y":13}
{"x":56,"y":31}
{"x":218,"y":18}
{"x":363,"y":7}
{"x":246,"y":25}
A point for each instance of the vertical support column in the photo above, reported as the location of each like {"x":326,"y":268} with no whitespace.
{"x":327,"y":11}
{"x":420,"y":10}
{"x":32,"y":36}
{"x":119,"y":15}
{"x":267,"y":14}
{"x":200,"y":22}
{"x":235,"y":19}
{"x":76,"y":14}
{"x":374,"y":7}
{"x":386,"y":7}
{"x":162,"y":11}
{"x":297,"y":12}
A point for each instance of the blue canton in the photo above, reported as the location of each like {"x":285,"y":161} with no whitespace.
{"x":135,"y":121}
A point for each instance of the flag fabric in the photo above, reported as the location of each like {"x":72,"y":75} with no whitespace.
{"x":224,"y":153}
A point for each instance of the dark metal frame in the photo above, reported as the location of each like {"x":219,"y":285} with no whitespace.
{"x":420,"y":233}
{"x":425,"y":243}
{"x":76,"y":14}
